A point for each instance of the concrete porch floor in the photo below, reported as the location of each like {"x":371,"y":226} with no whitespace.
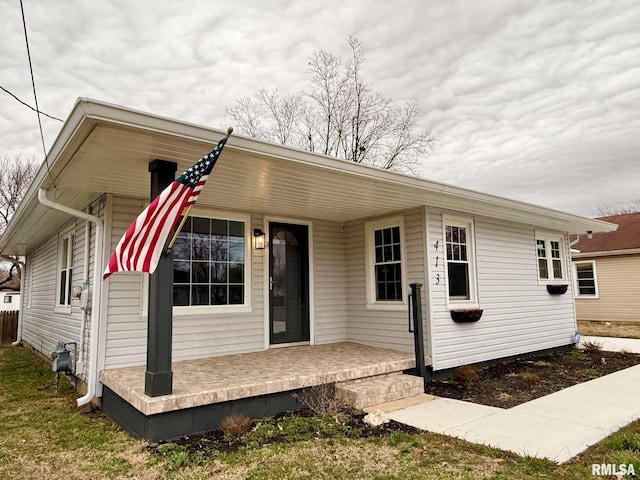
{"x":232,"y":377}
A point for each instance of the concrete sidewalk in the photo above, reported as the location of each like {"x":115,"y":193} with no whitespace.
{"x":557,"y":427}
{"x":611,"y":344}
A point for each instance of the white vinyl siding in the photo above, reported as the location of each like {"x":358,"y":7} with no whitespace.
{"x":44,"y":323}
{"x":386,"y":328}
{"x":195,"y":335}
{"x":208,"y":333}
{"x":519,"y":314}
{"x":330,"y":289}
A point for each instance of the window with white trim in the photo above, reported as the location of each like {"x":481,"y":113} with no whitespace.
{"x":386,"y":265}
{"x":586,"y":279}
{"x":65,"y":269}
{"x":210,"y":259}
{"x":460,"y":260}
{"x":550,"y":255}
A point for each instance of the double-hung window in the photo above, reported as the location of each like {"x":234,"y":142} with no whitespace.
{"x":550,"y":255}
{"x":210,"y":260}
{"x":65,"y":269}
{"x":586,"y":279}
{"x":386,"y":284}
{"x":460,"y":261}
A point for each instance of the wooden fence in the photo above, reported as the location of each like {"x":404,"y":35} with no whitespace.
{"x":8,"y":327}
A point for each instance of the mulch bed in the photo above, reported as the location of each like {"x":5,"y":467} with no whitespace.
{"x":503,"y":385}
{"x":511,"y":383}
{"x":351,"y":426}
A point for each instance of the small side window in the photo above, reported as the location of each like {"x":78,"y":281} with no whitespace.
{"x":550,"y":256}
{"x":385,"y":264}
{"x":460,"y":259}
{"x":586,"y":279}
{"x":65,"y":269}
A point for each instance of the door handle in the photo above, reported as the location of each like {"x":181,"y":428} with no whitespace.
{"x":270,"y":283}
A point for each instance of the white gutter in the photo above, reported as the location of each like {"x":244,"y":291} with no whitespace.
{"x":96,"y":294}
{"x":20,"y":265}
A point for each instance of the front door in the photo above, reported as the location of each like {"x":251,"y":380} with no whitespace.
{"x":288,"y":283}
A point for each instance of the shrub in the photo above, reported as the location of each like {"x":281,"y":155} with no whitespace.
{"x":321,"y":399}
{"x":592,"y":347}
{"x":466,"y":374}
{"x":235,"y":424}
{"x":530,"y":377}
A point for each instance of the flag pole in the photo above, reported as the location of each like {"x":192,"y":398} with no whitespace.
{"x":186,"y":214}
{"x":182,"y":222}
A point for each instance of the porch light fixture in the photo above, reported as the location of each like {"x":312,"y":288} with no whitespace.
{"x":258,"y":239}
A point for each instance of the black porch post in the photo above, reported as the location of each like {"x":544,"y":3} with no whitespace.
{"x":158,"y":379}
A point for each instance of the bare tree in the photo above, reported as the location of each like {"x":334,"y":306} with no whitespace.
{"x":17,"y":173}
{"x":338,"y":115}
{"x":618,"y":208}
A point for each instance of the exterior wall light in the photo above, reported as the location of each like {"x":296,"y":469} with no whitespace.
{"x":258,"y":239}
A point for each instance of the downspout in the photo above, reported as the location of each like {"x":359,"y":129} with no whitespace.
{"x":21,"y":266}
{"x":96,"y":294}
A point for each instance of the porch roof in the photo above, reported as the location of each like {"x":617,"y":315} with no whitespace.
{"x":107,"y":148}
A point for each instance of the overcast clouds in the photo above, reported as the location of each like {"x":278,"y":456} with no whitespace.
{"x":533,"y":100}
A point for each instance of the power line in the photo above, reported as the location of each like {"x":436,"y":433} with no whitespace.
{"x":33,"y":84}
{"x":27,"y":105}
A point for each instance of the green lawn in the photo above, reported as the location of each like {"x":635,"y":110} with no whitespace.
{"x":44,"y":436}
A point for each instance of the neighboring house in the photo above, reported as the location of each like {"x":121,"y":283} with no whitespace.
{"x":10,"y":294}
{"x":10,"y":301}
{"x":607,"y":267}
{"x":343,"y":243}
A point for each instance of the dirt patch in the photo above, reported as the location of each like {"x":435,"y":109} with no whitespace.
{"x":511,"y":383}
{"x":610,"y":329}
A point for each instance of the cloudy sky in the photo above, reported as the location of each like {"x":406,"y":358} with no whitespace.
{"x":533,"y":100}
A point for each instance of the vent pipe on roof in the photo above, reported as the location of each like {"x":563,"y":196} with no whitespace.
{"x":92,"y":378}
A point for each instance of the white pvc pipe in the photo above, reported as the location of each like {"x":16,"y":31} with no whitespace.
{"x":21,"y":267}
{"x":92,"y":379}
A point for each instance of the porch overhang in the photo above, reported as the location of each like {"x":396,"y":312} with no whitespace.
{"x":104,"y":148}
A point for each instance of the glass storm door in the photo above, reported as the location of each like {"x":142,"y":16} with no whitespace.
{"x":288,"y":283}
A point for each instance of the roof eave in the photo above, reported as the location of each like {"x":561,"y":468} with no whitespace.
{"x":470,"y":200}
{"x":87,"y":113}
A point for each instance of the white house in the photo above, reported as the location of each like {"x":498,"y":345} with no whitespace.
{"x":343,"y":242}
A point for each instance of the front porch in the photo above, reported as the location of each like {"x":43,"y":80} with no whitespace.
{"x":206,"y":390}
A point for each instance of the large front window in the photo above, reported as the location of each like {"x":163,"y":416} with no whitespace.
{"x":209,"y":260}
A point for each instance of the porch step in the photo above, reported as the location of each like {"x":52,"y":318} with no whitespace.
{"x":365,"y":392}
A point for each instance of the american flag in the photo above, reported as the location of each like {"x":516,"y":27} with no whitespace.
{"x":140,"y":247}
